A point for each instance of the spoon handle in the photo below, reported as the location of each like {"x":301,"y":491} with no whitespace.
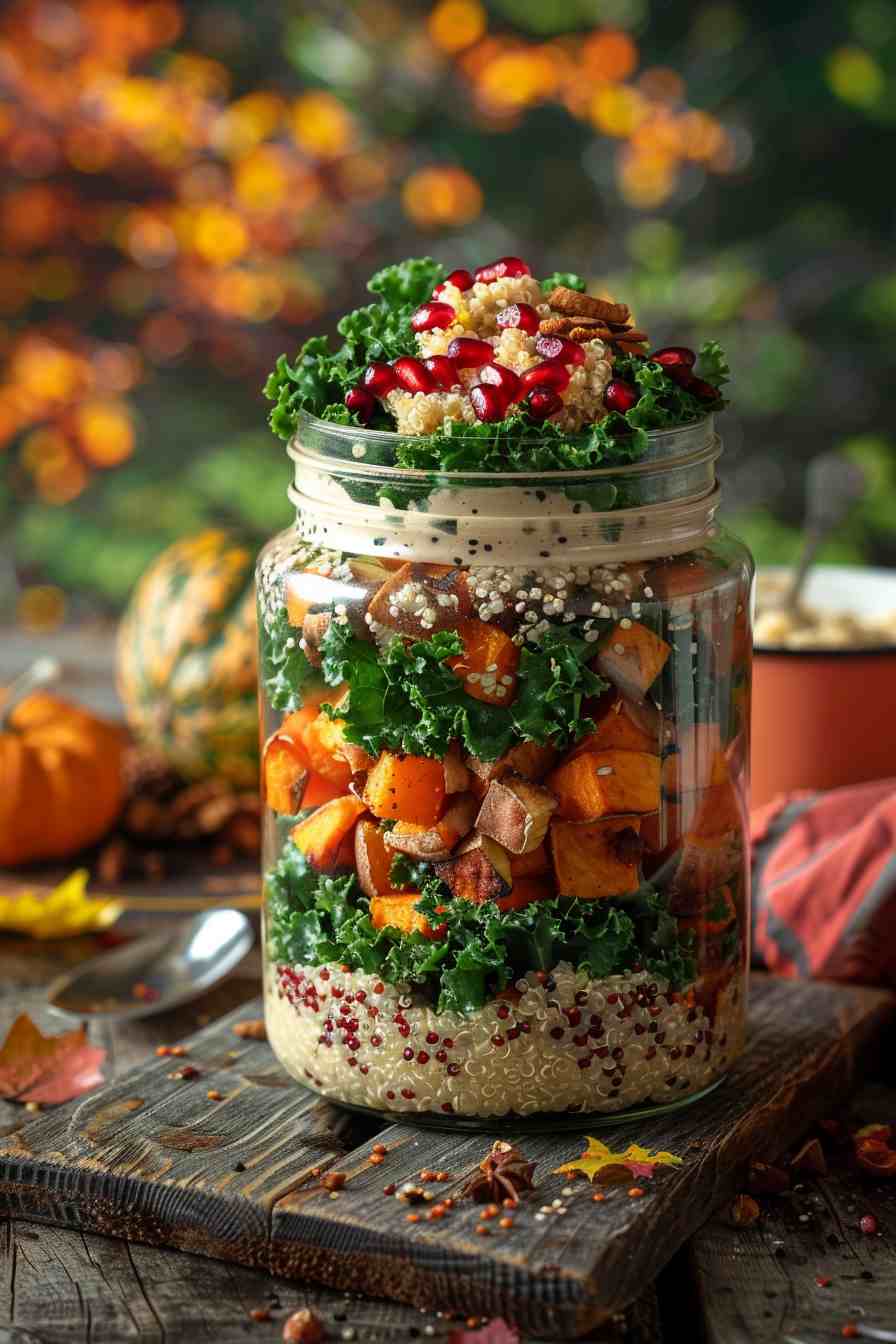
{"x":833,"y":486}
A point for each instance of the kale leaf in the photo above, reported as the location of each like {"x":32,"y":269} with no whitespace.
{"x":315,"y":918}
{"x":406,"y":697}
{"x":284,"y":667}
{"x":568,"y":279}
{"x":319,"y":378}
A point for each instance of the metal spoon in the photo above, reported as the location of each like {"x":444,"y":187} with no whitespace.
{"x":833,"y":485}
{"x":155,"y":972}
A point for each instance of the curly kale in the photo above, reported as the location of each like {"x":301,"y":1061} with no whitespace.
{"x":318,"y":379}
{"x":284,"y":667}
{"x":480,"y":949}
{"x":407,"y":698}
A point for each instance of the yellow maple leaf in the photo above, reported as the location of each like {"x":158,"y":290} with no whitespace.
{"x":600,"y":1163}
{"x":65,"y":911}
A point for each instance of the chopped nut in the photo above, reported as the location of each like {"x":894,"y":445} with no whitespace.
{"x":743,"y":1211}
{"x":252,"y":1029}
{"x":304,"y":1327}
{"x":810,"y":1158}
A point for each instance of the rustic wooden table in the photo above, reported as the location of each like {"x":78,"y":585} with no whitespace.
{"x":799,"y":1274}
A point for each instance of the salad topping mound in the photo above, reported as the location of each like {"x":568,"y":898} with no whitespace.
{"x":471,"y":360}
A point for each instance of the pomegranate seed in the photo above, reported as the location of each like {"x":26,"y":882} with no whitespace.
{"x":431,"y":315}
{"x":620,"y":396}
{"x":489,"y":403}
{"x":497,"y":270}
{"x":550,"y":374}
{"x":444,"y":372}
{"x":362,"y":402}
{"x":498,"y":375}
{"x":543,"y":403}
{"x":413,"y":375}
{"x":469,"y":353}
{"x":461,"y":280}
{"x":556,"y":347}
{"x":379,"y":378}
{"x":674,"y":355}
{"x":703,"y":391}
{"x":521,"y":315}
{"x":868,"y":1224}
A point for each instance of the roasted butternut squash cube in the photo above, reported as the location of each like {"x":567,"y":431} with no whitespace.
{"x":632,"y":657}
{"x":323,"y":742}
{"x":599,"y":783}
{"x":694,"y":760}
{"x":479,"y":870}
{"x":318,"y":791}
{"x":373,"y":861}
{"x":596,"y":858}
{"x":516,"y":813}
{"x":488,"y":664}
{"x":399,"y":912}
{"x":534,"y":864}
{"x":419,"y":598}
{"x":718,"y":810}
{"x":435,"y":842}
{"x":284,"y":773}
{"x":526,"y":891}
{"x":406,"y":788}
{"x":320,"y":837}
{"x":624,"y":725}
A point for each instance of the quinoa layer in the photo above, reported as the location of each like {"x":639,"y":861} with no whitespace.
{"x":567,"y":1043}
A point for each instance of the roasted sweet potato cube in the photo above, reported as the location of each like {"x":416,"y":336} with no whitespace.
{"x":621,"y":724}
{"x":321,"y":835}
{"x":600,"y":783}
{"x":516,"y":812}
{"x":534,"y":864}
{"x":373,"y":861}
{"x":596,"y":858}
{"x":694,"y":760}
{"x":524,"y":892}
{"x":419,"y":598}
{"x":406,"y":788}
{"x":488,"y":664}
{"x":718,"y":810}
{"x":705,"y":862}
{"x":437,"y":841}
{"x":319,"y":791}
{"x":479,"y":870}
{"x":528,"y":759}
{"x":357,"y":758}
{"x":323,"y":742}
{"x":399,"y":912}
{"x":631,"y":657}
{"x":286,"y":765}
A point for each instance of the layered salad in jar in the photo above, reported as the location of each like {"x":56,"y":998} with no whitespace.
{"x":505,"y":870}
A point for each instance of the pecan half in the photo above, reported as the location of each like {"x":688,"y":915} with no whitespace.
{"x":574,"y":304}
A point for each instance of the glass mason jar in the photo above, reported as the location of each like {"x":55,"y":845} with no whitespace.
{"x":506,"y":871}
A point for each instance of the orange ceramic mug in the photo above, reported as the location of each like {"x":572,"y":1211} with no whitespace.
{"x":826,"y":717}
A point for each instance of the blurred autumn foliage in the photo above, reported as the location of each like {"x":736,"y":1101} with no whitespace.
{"x":187,"y":190}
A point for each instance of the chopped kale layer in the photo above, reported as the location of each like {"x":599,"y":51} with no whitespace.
{"x":480,"y":950}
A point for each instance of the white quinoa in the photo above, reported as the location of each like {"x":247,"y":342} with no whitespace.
{"x":476,"y":313}
{"x":569,"y":1043}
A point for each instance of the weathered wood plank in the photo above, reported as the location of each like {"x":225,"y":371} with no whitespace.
{"x":762,"y":1282}
{"x":166,"y":1171}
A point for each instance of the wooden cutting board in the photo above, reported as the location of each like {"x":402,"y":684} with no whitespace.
{"x":152,"y":1159}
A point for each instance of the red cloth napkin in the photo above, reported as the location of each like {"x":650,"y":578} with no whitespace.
{"x":824,"y":884}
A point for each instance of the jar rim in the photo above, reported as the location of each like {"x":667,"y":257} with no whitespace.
{"x":666,"y":447}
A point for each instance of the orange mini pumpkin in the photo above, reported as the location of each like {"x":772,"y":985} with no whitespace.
{"x":61,"y":779}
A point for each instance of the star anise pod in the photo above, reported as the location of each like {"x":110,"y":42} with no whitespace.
{"x":503,"y":1174}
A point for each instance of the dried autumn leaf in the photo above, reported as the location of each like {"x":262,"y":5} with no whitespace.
{"x":50,"y":1069}
{"x":494,"y":1332}
{"x":598,"y":1158}
{"x":65,"y":911}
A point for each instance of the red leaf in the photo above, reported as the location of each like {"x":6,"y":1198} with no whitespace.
{"x":34,"y":1067}
{"x":495,"y":1332}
